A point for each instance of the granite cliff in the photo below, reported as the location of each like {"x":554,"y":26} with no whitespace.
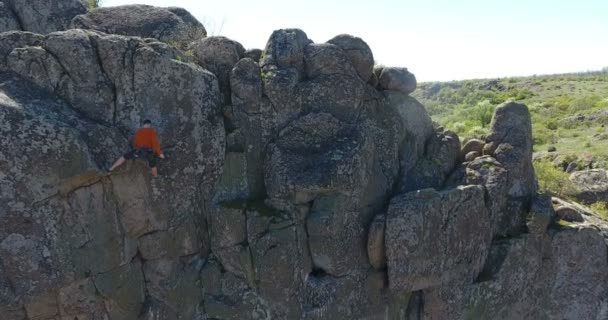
{"x":301,"y":183}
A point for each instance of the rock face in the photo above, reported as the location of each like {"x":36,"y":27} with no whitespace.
{"x":296,"y":187}
{"x":70,"y":226}
{"x":164,"y":24}
{"x":39,"y":16}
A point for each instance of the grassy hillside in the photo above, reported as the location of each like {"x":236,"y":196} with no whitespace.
{"x":569,"y":111}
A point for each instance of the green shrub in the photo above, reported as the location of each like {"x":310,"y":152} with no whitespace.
{"x":600,"y":208}
{"x":93,"y":4}
{"x":551,"y":125}
{"x":552,"y":180}
{"x":483,"y":112}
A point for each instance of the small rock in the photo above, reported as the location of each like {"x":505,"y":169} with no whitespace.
{"x":551,"y":149}
{"x":471,"y":156}
{"x":569,"y":214}
{"x":473,"y":145}
{"x":254,"y":54}
{"x":398,"y":79}
{"x":571,"y":167}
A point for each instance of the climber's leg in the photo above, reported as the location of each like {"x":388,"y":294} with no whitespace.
{"x":118,"y":163}
{"x":151,"y":157}
{"x":127,"y":156}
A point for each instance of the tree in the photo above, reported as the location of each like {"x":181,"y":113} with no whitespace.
{"x":93,"y":4}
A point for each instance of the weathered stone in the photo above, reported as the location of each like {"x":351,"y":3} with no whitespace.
{"x":569,"y":214}
{"x":43,"y":307}
{"x":442,"y":153}
{"x":8,"y":20}
{"x":285,"y":49}
{"x":337,"y":237}
{"x":123,"y":290}
{"x":436,"y":238}
{"x":325,"y":59}
{"x":571,"y":167}
{"x":397,"y":79}
{"x":358,"y":52}
{"x":521,"y":273}
{"x":81,"y":300}
{"x":254,"y":54}
{"x":176,"y":242}
{"x":471,"y":156}
{"x":17,"y":39}
{"x":228,"y":225}
{"x":417,"y":125}
{"x":282,"y":263}
{"x":165,"y":24}
{"x":174,"y":287}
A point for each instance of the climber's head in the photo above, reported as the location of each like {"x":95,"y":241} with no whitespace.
{"x":147,"y":123}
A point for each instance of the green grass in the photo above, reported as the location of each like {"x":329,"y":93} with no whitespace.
{"x":601,"y":208}
{"x":93,"y":4}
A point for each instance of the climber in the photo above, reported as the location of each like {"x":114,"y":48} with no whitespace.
{"x":146,"y":146}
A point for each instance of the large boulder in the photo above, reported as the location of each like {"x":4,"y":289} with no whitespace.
{"x":592,"y":185}
{"x":533,"y":277}
{"x":436,"y":238}
{"x":358,"y":52}
{"x":218,"y":55}
{"x":39,"y":16}
{"x":510,"y":142}
{"x":164,"y":24}
{"x":441,"y":155}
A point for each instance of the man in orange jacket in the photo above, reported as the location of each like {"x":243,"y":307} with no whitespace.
{"x":145,"y":145}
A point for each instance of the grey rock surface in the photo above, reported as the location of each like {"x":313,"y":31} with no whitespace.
{"x":397,"y":79}
{"x":430,"y":240}
{"x":592,"y":185}
{"x":39,"y":16}
{"x":144,"y":21}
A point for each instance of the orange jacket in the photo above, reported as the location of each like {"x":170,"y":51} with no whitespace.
{"x":146,"y":138}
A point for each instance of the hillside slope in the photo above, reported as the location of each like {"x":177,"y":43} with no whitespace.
{"x":569,"y":111}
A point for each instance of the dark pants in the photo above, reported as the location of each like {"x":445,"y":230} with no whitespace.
{"x":144,"y":153}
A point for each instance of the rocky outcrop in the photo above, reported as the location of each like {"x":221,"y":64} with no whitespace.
{"x":39,"y":16}
{"x":165,"y":24}
{"x":302,"y":186}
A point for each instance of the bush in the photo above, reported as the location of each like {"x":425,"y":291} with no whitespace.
{"x":93,"y":4}
{"x":600,"y":208}
{"x":552,"y":180}
{"x":483,"y":112}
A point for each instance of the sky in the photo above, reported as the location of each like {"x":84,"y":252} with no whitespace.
{"x":437,"y":40}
